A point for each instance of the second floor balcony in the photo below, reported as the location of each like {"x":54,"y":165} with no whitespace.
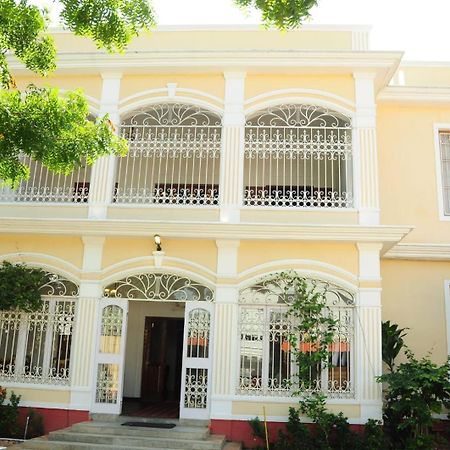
{"x":293,"y":157}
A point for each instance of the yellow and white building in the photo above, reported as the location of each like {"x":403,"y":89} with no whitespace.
{"x":251,"y":152}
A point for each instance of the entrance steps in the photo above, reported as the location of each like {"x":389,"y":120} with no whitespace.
{"x":112,"y":435}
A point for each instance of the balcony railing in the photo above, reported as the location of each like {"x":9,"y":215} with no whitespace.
{"x":298,"y":156}
{"x":174,"y":157}
{"x":295,"y":156}
{"x":49,"y":187}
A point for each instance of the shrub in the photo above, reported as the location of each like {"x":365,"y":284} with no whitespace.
{"x":9,"y":414}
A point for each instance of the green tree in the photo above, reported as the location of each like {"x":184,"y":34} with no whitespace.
{"x":68,"y":138}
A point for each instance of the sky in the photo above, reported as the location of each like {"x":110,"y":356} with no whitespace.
{"x":421,"y":29}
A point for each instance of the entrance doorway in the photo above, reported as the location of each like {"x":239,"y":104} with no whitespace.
{"x":154,"y":356}
{"x":162,"y":359}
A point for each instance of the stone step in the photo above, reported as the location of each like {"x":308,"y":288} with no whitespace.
{"x":211,"y":443}
{"x":109,"y":428}
{"x":44,"y":444}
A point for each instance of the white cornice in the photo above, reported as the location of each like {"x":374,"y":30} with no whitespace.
{"x":429,"y":252}
{"x":388,"y":235}
{"x":412,"y":94}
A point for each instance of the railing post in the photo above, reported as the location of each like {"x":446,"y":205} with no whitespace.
{"x":104,"y":169}
{"x":232,"y":154}
{"x":366,"y":179}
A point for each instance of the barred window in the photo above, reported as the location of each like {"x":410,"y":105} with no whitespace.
{"x":298,"y":156}
{"x":36,"y":347}
{"x":267,"y":365}
{"x":444,"y":145}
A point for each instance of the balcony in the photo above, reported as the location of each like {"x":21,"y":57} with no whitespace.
{"x":293,"y":158}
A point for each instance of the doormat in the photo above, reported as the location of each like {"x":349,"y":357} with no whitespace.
{"x":149,"y":424}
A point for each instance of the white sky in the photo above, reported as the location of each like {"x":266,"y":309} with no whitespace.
{"x":421,"y":29}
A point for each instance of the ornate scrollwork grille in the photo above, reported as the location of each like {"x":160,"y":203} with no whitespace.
{"x":173,"y":158}
{"x":46,"y":186}
{"x":36,"y":347}
{"x":196,"y":388}
{"x":298,"y":156}
{"x":444,"y":141}
{"x":267,"y":366}
{"x":159,"y":287}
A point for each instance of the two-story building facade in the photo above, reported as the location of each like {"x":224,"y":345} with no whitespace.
{"x":250,"y":152}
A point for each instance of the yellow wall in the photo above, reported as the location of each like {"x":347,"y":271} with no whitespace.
{"x":413,"y":297}
{"x":408,"y":189}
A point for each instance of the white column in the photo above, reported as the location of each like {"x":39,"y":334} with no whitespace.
{"x":366,"y":179}
{"x":232,"y":152}
{"x":103,"y":170}
{"x":83,"y":344}
{"x":226,"y":329}
{"x":368,"y":332}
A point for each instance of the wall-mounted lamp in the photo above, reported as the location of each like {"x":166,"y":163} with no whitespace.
{"x":157,"y":238}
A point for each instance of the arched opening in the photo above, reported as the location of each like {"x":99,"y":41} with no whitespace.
{"x":298,"y":156}
{"x":267,"y":366}
{"x":166,"y":320}
{"x":36,"y":347}
{"x":173,"y":158}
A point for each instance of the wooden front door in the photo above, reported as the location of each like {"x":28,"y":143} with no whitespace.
{"x":162,"y":359}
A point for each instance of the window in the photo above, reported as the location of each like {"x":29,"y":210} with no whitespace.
{"x":444,"y":164}
{"x":266,"y":364}
{"x":173,"y":158}
{"x":298,"y":156}
{"x":36,"y":347}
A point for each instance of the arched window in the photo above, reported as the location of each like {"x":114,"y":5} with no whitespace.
{"x":267,"y":366}
{"x":36,"y":347}
{"x":173,"y":158}
{"x":298,"y":156}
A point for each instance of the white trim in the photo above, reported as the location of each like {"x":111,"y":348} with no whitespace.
{"x":249,"y":276}
{"x":297,"y":99}
{"x":437,"y":127}
{"x":447,"y":311}
{"x":30,"y":258}
{"x":146,"y":265}
{"x":414,"y":94}
{"x":146,"y":269}
{"x":296,"y":92}
{"x":147,"y":93}
{"x":421,"y":251}
{"x":35,"y":386}
{"x":130,"y":108}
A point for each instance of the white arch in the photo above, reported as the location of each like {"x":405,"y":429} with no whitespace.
{"x":304,"y":267}
{"x":300,"y":96}
{"x":49,"y":263}
{"x":124,"y":111}
{"x":119,"y":270}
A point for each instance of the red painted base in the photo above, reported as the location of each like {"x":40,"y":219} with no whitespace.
{"x":240,"y":431}
{"x":55,"y":419}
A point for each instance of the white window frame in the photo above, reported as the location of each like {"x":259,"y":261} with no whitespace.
{"x":438,"y":128}
{"x":447,"y":311}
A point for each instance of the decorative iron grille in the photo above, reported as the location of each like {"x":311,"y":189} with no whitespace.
{"x":46,"y":186}
{"x":36,"y":347}
{"x":298,"y":156}
{"x":267,"y":366}
{"x":159,"y":287}
{"x":173,"y":158}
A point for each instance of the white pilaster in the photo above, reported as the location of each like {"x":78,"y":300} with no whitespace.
{"x":232,"y":152}
{"x":366,"y":149}
{"x":82,"y":357}
{"x":368,"y":332}
{"x":226,"y":326}
{"x":103,"y":170}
